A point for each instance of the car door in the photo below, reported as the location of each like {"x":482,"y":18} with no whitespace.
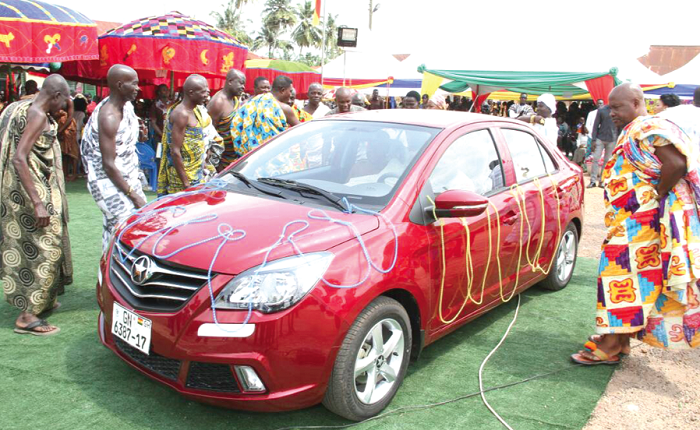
{"x":535,"y":182}
{"x":469,"y":161}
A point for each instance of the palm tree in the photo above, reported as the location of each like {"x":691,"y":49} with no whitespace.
{"x":266,"y":37}
{"x":306,"y":33}
{"x":231,"y":21}
{"x":279,"y":15}
{"x":332,"y":50}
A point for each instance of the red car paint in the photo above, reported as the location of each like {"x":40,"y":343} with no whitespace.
{"x":293,"y":350}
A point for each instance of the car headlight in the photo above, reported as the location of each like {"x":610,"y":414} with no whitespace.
{"x":277,"y":286}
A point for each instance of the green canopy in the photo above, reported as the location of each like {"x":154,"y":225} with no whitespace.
{"x":557,"y":83}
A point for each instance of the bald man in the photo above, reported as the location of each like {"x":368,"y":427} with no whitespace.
{"x":222,"y":109}
{"x":647,"y":279}
{"x":343,"y":102}
{"x":191,"y":145}
{"x":34,"y":244}
{"x":109,"y":153}
{"x":315,"y":107}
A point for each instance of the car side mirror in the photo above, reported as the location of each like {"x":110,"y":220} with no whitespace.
{"x":459,"y":203}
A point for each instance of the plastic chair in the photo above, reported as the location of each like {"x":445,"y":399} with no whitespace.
{"x":147,"y":163}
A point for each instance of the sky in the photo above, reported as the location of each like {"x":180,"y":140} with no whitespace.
{"x":444,"y":32}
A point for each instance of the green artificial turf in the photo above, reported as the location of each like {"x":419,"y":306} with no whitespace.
{"x":70,"y":381}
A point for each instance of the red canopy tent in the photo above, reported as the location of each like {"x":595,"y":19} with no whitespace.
{"x":302,"y":75}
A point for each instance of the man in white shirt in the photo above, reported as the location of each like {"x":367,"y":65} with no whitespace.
{"x":520,"y":109}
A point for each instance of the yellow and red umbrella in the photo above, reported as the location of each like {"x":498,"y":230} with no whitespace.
{"x":163,"y":48}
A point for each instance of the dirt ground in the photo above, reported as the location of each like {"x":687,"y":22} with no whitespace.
{"x":652,"y":388}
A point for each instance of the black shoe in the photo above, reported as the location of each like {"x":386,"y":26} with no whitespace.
{"x":601,"y":185}
{"x":591,"y":185}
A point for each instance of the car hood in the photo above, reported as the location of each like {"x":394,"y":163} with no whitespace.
{"x":259,"y":220}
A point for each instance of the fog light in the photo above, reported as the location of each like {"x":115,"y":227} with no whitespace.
{"x":249,"y":379}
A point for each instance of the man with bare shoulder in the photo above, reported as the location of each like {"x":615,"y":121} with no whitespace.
{"x":109,"y":151}
{"x":191,"y":145}
{"x":222,"y":109}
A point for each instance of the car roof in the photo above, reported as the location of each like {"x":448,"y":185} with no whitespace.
{"x":422,"y":117}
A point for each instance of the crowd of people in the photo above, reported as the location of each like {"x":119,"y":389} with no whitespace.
{"x":50,"y":131}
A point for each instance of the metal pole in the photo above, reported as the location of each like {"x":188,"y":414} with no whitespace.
{"x":345,"y":61}
{"x":371,"y":10}
{"x":323,"y":44}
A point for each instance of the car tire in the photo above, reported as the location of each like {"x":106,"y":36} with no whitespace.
{"x":345,"y":395}
{"x":564,"y":261}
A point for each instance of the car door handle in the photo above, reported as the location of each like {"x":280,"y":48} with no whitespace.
{"x":509,"y":219}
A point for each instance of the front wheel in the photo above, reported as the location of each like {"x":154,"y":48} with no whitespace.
{"x":564,"y":261}
{"x":371,"y":362}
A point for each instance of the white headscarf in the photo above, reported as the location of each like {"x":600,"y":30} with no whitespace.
{"x":549,"y":101}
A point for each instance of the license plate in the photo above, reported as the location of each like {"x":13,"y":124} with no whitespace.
{"x":131,"y":328}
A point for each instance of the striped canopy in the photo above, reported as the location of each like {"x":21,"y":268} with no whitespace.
{"x":302,"y":75}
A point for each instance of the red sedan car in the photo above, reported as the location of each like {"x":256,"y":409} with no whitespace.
{"x":316,"y":267}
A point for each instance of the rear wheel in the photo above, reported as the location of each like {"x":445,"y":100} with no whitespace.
{"x":564,"y":261}
{"x":372,"y":361}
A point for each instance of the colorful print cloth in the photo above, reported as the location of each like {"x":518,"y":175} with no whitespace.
{"x":201,"y":149}
{"x":301,"y":114}
{"x":36,"y":262}
{"x":224,"y":130}
{"x":114,"y":204}
{"x":650,"y":264}
{"x":257,"y":121}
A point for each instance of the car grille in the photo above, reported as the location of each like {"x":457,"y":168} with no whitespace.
{"x":168,"y":288}
{"x":212,"y":377}
{"x":165,"y":367}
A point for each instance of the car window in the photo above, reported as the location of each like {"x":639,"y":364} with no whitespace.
{"x":364,"y":161}
{"x":548,"y":162}
{"x":526,"y":154}
{"x":471,"y":163}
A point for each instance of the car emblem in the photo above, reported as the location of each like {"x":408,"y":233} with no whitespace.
{"x":141,"y":270}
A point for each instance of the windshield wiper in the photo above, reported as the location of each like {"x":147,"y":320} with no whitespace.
{"x":241,"y":177}
{"x":300,"y":186}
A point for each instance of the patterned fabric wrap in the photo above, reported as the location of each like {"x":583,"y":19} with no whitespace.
{"x":36,"y":262}
{"x":650,"y":264}
{"x":201,"y":151}
{"x":224,"y":130}
{"x":301,"y":114}
{"x":257,"y":121}
{"x":113,"y":203}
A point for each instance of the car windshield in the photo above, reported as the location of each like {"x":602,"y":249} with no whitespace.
{"x":362,"y":161}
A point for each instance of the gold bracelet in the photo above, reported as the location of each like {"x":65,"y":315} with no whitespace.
{"x":128,"y":193}
{"x":532,"y":119}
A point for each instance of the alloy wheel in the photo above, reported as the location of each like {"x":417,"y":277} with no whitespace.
{"x":566,"y":256}
{"x":378,"y":361}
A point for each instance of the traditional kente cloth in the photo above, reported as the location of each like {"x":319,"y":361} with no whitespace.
{"x":301,"y":114}
{"x":113,"y":203}
{"x":650,"y":263}
{"x":36,"y":262}
{"x":201,"y":149}
{"x":257,"y":121}
{"x":224,"y":130}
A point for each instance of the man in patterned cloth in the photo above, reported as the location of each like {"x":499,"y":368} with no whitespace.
{"x":264,"y":117}
{"x":109,"y":152}
{"x":222,"y":109}
{"x":191,"y":145}
{"x":36,"y":259}
{"x":650,"y":264}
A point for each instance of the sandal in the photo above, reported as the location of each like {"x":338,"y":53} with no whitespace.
{"x":624,"y":351}
{"x":600,"y":356}
{"x":31,"y":329}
